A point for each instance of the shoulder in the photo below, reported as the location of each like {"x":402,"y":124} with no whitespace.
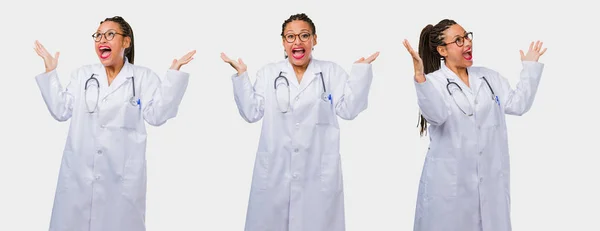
{"x":327,"y":65}
{"x":483,"y":70}
{"x":86,"y":71}
{"x":436,"y":76}
{"x":141,"y":70}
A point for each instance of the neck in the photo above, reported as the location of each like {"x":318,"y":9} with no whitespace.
{"x":299,"y":71}
{"x":113,"y":71}
{"x":461,"y":72}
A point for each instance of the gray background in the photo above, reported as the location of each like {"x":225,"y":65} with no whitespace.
{"x":200,"y":163}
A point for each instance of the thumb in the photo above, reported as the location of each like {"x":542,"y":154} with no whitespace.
{"x":241,"y":61}
{"x":56,"y":55}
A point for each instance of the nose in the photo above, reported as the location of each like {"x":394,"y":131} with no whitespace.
{"x":468,"y":43}
{"x":103,"y":38}
{"x":297,"y":40}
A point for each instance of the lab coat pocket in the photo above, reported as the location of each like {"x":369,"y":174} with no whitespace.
{"x":326,"y":114}
{"x":261,"y":171}
{"x":133,"y":177}
{"x":331,"y":172}
{"x":492,"y":117}
{"x":129,"y":116}
{"x":441,"y":177}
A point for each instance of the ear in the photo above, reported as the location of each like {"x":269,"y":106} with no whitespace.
{"x":442,"y":50}
{"x":314,"y":39}
{"x":127,"y":42}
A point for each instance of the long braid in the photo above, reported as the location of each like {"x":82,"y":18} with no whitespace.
{"x":431,"y":37}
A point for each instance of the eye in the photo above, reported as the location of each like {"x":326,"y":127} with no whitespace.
{"x":289,"y":36}
{"x":304,"y":35}
{"x":111,"y":33}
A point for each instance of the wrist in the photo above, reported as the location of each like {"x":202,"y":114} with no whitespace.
{"x":419,"y":77}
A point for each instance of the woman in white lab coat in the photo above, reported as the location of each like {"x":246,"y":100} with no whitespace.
{"x":102,"y":179}
{"x":465,"y":181}
{"x":297,"y":179}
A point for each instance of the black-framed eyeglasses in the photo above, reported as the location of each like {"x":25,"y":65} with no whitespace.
{"x":460,"y":41}
{"x":108,"y":35}
{"x":290,"y":38}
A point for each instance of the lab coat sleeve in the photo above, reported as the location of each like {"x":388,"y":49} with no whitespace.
{"x":351,"y":92}
{"x":161,"y":97}
{"x":59,"y":101}
{"x":432,"y":101}
{"x":519,"y":100}
{"x":249,"y":99}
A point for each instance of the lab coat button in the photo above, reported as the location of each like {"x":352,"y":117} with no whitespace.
{"x":99,"y":152}
{"x":297,"y":125}
{"x":97,"y":177}
{"x":295,"y":175}
{"x":296,"y":149}
{"x":480,"y":179}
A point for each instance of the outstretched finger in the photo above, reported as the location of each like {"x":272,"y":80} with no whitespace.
{"x":56,"y":55}
{"x":522,"y":54}
{"x":190,"y":54}
{"x":225,"y":58}
{"x":360,"y":60}
{"x":531,"y":46}
{"x":543,"y":51}
{"x":372,"y":57}
{"x":241,"y":62}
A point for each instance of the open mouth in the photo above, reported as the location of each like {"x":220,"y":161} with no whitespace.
{"x":468,"y":55}
{"x":298,"y":53}
{"x":105,"y":52}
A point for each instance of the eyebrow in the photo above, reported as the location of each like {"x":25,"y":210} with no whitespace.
{"x":458,"y":35}
{"x":303,"y":30}
{"x":109,"y":30}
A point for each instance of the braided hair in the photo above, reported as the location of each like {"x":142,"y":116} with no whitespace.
{"x":127,"y":32}
{"x":431,"y":37}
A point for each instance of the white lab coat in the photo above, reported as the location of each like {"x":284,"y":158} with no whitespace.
{"x":102,"y":179}
{"x":297,"y":178}
{"x":465,"y":183}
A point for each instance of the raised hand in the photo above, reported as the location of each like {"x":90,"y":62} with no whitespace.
{"x":417,"y":62}
{"x":534,"y":53}
{"x":239,"y":66}
{"x":49,"y":62}
{"x":369,"y":59}
{"x":177,"y":63}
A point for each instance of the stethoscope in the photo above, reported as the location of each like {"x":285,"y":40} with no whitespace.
{"x":494,"y":96}
{"x":133,"y":101}
{"x":325,"y":96}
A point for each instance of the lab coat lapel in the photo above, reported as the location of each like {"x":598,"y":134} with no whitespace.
{"x":123,"y":76}
{"x":453,"y":77}
{"x":311,"y":73}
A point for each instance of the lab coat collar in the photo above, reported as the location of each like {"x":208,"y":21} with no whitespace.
{"x":475,"y":77}
{"x":124,"y":75}
{"x":312,"y":71}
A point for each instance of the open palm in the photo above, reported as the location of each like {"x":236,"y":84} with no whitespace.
{"x":49,"y":62}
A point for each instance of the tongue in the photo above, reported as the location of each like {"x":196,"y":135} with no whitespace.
{"x":467,"y":56}
{"x":298,"y":54}
{"x":105,"y":54}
